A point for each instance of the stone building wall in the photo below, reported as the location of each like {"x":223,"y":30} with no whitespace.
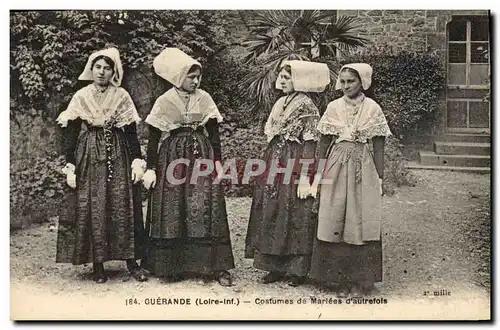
{"x":404,"y":29}
{"x":414,"y":30}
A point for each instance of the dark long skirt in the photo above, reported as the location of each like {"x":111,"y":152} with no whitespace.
{"x":346,"y":263}
{"x":281,"y":226}
{"x":101,"y":220}
{"x":189,"y":227}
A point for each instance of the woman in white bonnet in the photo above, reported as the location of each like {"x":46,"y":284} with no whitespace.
{"x":348,"y":248}
{"x":281,"y":226}
{"x":189,"y":231}
{"x":102,"y":218}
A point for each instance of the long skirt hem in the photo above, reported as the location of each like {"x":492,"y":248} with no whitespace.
{"x":169,"y":257}
{"x":297,"y":265}
{"x":346,"y":263}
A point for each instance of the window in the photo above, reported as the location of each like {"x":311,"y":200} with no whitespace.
{"x":468,"y":51}
{"x":468,"y":114}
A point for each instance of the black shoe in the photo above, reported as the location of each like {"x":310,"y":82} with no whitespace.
{"x":272,"y":277}
{"x":296,"y":281}
{"x":144,"y":264}
{"x":99,"y":279}
{"x":224,"y":278}
{"x":139,"y":275}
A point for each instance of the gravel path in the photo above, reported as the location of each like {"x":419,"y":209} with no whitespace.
{"x":436,"y":238}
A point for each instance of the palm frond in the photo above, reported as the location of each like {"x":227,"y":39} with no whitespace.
{"x":268,"y":36}
{"x":341,"y":35}
{"x":343,"y":29}
{"x":263,"y":43}
{"x":314,"y":17}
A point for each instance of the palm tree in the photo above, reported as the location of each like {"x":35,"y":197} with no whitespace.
{"x":278,"y":35}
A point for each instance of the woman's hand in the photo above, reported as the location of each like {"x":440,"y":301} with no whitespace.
{"x":138,"y":166}
{"x":69,"y":170}
{"x":149,"y":179}
{"x":313,"y":191}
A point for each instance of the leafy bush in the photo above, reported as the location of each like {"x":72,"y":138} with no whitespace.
{"x":220,"y":78}
{"x":395,"y":172}
{"x":36,"y":192}
{"x":242,"y":144}
{"x":406,"y":85}
{"x":36,"y":185}
{"x":31,"y":136}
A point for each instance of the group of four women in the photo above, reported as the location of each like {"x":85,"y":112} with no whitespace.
{"x":322,"y":223}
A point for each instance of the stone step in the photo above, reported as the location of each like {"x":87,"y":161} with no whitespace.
{"x":416,"y":166}
{"x":465,"y":137}
{"x":462,"y":148}
{"x":431,"y":158}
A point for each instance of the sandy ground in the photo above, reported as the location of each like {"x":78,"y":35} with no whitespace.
{"x":436,"y":238}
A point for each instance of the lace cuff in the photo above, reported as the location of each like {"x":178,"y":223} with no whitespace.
{"x":65,"y":116}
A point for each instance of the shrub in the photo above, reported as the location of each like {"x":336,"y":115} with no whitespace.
{"x":36,"y":185}
{"x":407,"y":86}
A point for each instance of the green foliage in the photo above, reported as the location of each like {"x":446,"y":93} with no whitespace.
{"x":276,"y":31}
{"x":395,"y":172}
{"x":243,"y":144}
{"x":279,"y":35}
{"x":36,"y":184}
